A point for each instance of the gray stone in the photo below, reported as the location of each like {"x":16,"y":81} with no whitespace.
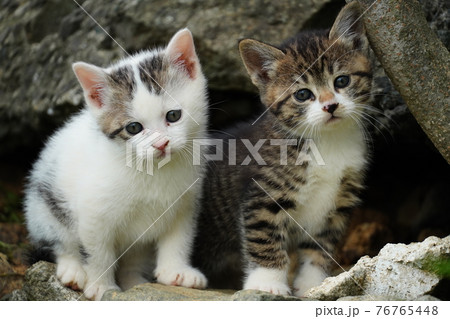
{"x":157,"y":292}
{"x":398,"y":272}
{"x":42,"y":284}
{"x":427,"y":298}
{"x":256,"y":295}
{"x":369,"y":298}
{"x":16,"y":295}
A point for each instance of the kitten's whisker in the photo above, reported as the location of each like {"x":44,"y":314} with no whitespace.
{"x":218,"y":102}
{"x":366,"y":134}
{"x":315,"y":61}
{"x":372,"y":109}
{"x":222,"y":132}
{"x":369,"y":119}
{"x":372,"y":118}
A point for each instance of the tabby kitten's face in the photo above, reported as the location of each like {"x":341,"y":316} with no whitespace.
{"x":314,"y":82}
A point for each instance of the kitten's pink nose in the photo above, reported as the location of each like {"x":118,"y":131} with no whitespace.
{"x":161,"y":144}
{"x":330,"y":108}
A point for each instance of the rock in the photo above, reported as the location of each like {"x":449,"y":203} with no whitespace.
{"x":10,"y":280}
{"x":398,"y":272}
{"x":40,"y":40}
{"x":427,"y":298}
{"x":256,"y":295}
{"x":41,"y":284}
{"x":16,"y":295}
{"x":349,"y":283}
{"x":157,"y":292}
{"x":368,"y":298}
{"x":384,"y":298}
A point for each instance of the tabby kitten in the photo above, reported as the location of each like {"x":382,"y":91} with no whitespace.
{"x":256,"y":213}
{"x":89,"y":202}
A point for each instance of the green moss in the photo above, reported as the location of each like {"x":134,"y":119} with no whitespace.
{"x":440,"y":267}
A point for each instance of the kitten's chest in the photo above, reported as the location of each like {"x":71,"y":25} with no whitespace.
{"x":316,"y":198}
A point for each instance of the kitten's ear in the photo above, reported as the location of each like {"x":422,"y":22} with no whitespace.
{"x":259,"y":60}
{"x":181,"y":50}
{"x":93,"y":82}
{"x":349,"y":27}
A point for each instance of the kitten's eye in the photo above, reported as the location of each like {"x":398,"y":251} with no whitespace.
{"x":134,"y":128}
{"x":303,"y":95}
{"x":173,"y":116}
{"x":341,"y":81}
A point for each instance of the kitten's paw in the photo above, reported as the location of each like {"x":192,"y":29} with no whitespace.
{"x":275,"y":288}
{"x":310,"y":276}
{"x":95,"y":291}
{"x":183,"y":276}
{"x":270,"y":280}
{"x":71,"y":273}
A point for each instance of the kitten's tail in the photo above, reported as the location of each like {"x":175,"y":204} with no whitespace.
{"x":40,"y":251}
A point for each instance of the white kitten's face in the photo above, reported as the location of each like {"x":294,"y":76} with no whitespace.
{"x":159,"y":94}
{"x":176,"y":113}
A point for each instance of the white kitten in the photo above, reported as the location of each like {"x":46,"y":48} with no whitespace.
{"x":88,"y":206}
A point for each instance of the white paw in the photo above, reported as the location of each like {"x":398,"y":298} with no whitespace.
{"x":276,"y":288}
{"x":183,"y":276}
{"x":309,"y":276}
{"x":270,"y":280}
{"x":95,"y":290}
{"x":71,"y":273}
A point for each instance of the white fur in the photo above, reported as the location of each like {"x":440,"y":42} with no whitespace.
{"x":270,"y":280}
{"x":341,"y":149}
{"x":309,"y":276}
{"x":114,"y":206}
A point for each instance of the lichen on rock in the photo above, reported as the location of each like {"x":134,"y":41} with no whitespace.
{"x":397,"y":272}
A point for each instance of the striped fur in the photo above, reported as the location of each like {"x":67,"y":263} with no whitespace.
{"x":255,"y":215}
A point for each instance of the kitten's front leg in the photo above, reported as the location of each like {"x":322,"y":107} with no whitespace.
{"x":174,"y":249}
{"x":313,"y":270}
{"x":315,"y":256}
{"x":100,"y":261}
{"x":264,"y":247}
{"x":100,"y":274}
